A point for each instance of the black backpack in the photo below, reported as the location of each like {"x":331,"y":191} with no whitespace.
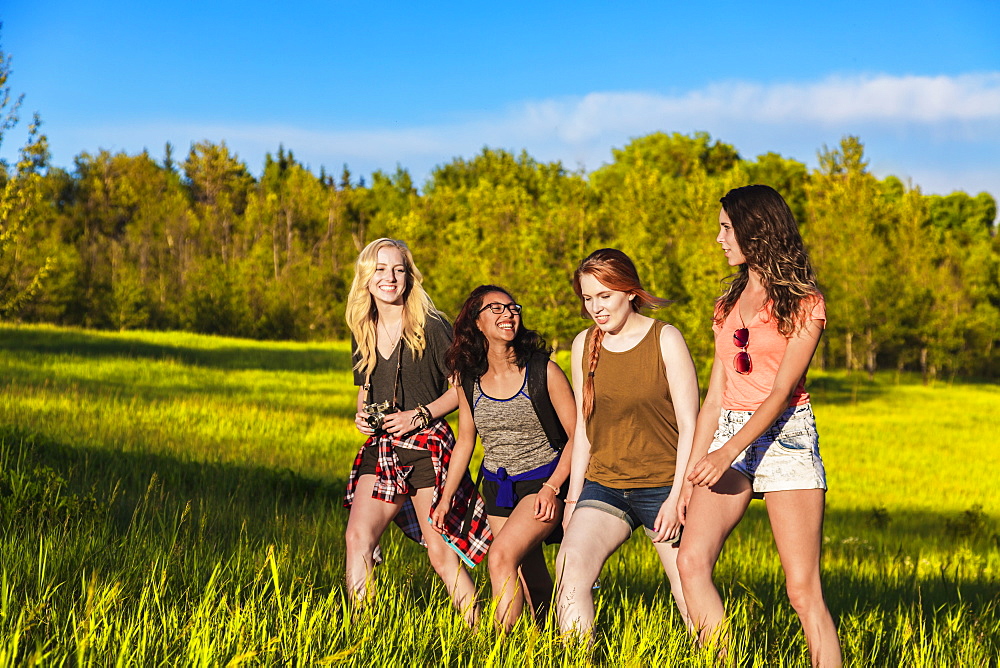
{"x":538,"y":391}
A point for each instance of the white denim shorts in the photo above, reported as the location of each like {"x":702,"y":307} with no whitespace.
{"x":785,"y":457}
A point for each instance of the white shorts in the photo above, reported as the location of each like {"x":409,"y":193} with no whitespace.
{"x":784,"y":457}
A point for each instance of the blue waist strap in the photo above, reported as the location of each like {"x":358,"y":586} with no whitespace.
{"x":506,"y":498}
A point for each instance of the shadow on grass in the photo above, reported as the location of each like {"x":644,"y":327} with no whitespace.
{"x":160,"y":508}
{"x":228,"y":355}
{"x":872,"y":565}
{"x":158,"y":504}
{"x":843,"y":389}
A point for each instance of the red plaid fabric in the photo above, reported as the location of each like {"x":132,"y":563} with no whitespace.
{"x":473,"y":540}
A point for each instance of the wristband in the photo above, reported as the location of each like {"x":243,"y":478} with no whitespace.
{"x":422,"y":415}
{"x":552,"y":487}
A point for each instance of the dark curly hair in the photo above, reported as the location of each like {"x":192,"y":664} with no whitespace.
{"x":769,"y":239}
{"x":466,"y":357}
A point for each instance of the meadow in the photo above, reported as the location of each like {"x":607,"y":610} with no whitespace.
{"x":174,"y":499}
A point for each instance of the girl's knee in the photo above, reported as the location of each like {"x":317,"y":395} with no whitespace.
{"x":359,"y":541}
{"x":804,"y":595}
{"x":573,"y":569}
{"x":569,"y":558}
{"x":442,"y":559}
{"x":691,"y":564}
{"x":502,"y":560}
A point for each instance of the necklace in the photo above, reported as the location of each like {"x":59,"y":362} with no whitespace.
{"x":392,"y":339}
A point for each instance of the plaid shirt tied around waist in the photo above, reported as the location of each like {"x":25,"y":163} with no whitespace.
{"x":473,"y":540}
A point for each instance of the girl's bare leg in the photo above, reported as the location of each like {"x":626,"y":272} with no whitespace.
{"x":366,"y":523}
{"x":711,"y":516}
{"x":591,"y":537}
{"x":668,"y":557}
{"x":514,"y":555}
{"x":445,"y":562}
{"x":797,"y":524}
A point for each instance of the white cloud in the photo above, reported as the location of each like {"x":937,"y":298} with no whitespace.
{"x":836,"y":100}
{"x":934,"y":125}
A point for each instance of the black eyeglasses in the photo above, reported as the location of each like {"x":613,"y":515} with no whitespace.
{"x":498,"y":308}
{"x":742,"y":362}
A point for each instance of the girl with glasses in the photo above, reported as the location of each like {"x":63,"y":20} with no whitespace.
{"x":637,"y":403}
{"x":756,"y":435}
{"x":521,"y":405}
{"x":399,"y":345}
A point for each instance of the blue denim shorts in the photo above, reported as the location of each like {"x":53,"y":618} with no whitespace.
{"x":637,"y":507}
{"x":784,"y":457}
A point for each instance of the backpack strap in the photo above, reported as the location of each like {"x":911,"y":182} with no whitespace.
{"x":538,"y":391}
{"x":468,"y":385}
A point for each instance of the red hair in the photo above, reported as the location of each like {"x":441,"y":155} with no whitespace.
{"x":616,"y":271}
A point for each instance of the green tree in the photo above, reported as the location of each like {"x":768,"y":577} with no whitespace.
{"x":675,"y":155}
{"x":219,"y":185}
{"x":20,"y":202}
{"x":788,"y":177}
{"x":847,"y":229}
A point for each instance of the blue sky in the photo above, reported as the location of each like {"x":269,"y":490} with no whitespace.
{"x":374,"y":85}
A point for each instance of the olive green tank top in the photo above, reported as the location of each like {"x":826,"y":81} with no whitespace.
{"x":633,"y":429}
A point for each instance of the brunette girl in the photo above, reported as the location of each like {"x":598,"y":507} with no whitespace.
{"x":521,"y":404}
{"x":400,"y":341}
{"x":756,"y":434}
{"x":637,"y":402}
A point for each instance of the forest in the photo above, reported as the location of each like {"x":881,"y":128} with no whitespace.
{"x":198,"y":242}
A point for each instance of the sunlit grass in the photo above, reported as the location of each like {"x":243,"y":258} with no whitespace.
{"x":175,"y":499}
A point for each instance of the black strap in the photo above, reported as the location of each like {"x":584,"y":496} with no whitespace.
{"x":463,"y":530}
{"x":468,"y":385}
{"x":538,"y":392}
{"x":395,"y":384}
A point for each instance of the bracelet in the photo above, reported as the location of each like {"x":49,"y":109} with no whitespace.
{"x":552,"y":487}
{"x":421,"y":415}
{"x":569,"y":501}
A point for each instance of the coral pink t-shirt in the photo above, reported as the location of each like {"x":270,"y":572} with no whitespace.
{"x":767,"y":348}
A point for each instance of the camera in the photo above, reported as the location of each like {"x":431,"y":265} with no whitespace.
{"x":377,"y":413}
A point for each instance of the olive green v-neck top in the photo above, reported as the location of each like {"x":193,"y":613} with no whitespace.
{"x":633,"y":429}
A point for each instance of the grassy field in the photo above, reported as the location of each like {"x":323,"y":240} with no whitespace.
{"x":174,"y":499}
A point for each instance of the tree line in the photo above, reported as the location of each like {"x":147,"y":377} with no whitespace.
{"x":199,"y":243}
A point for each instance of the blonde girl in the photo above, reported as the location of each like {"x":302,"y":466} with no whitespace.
{"x":400,"y":340}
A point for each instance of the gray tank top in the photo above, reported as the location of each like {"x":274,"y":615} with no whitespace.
{"x":512,"y":435}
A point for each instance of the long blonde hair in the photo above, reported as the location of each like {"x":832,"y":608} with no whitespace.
{"x":362,"y":314}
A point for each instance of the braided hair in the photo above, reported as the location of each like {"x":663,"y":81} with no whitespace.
{"x":616,"y":271}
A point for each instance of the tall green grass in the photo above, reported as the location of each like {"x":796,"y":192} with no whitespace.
{"x":173,"y":499}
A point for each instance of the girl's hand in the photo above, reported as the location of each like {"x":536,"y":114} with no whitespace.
{"x":687,"y":489}
{"x":440,"y":512}
{"x":710,"y":468}
{"x":545,"y":505}
{"x":668,"y":522}
{"x":401,"y":422}
{"x":361,"y":422}
{"x":568,"y":509}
